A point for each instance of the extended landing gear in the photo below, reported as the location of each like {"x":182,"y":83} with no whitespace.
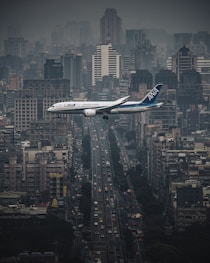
{"x":59,"y":116}
{"x":105,"y":117}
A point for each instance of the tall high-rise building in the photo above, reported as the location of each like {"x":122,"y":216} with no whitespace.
{"x":53,"y":69}
{"x":4,"y":74}
{"x":105,"y":62}
{"x":111,"y":27}
{"x":183,"y":60}
{"x":146,"y":56}
{"x":141,"y":52}
{"x":72,"y":69}
{"x":166,"y":115}
{"x":134,"y":37}
{"x":78,"y":73}
{"x":14,"y":64}
{"x":190,"y":90}
{"x":68,"y":66}
{"x":203,"y":67}
{"x":141,"y":77}
{"x":167,"y":77}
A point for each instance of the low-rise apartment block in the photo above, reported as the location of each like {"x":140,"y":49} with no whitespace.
{"x":36,"y":170}
{"x":178,"y":171}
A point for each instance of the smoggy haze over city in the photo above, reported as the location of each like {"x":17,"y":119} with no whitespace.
{"x":38,"y":18}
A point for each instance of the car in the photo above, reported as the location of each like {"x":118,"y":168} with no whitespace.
{"x":100,"y":220}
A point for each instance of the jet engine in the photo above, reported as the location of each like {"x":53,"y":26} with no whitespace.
{"x":90,"y":112}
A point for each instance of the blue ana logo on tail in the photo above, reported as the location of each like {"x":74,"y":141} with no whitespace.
{"x":153,"y":93}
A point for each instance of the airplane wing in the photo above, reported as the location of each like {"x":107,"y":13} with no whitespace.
{"x":113,"y":105}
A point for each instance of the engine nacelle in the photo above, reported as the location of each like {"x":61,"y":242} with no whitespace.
{"x":89,"y":112}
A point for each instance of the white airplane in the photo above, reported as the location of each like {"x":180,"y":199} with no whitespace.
{"x":120,"y":106}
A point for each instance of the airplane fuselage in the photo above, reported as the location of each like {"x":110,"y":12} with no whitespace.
{"x":79,"y":107}
{"x":119,"y":106}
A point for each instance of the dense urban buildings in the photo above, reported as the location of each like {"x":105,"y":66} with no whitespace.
{"x":40,"y":154}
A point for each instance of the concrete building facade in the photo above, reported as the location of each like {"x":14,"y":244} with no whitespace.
{"x":105,"y":61}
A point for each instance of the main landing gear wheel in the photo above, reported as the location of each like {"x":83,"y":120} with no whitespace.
{"x":105,"y":117}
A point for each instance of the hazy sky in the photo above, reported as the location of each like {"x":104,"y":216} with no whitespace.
{"x":38,"y":17}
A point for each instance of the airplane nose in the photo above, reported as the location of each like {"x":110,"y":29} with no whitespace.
{"x":51,"y":108}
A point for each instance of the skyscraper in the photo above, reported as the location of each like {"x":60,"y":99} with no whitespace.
{"x":189,"y":91}
{"x":72,"y":69}
{"x":53,"y":69}
{"x":105,"y":62}
{"x":134,"y":37}
{"x":111,"y":27}
{"x":146,"y":56}
{"x":183,"y":60}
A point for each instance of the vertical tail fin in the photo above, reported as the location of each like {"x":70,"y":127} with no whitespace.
{"x":152,"y":95}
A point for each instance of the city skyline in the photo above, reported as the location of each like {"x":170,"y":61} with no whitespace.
{"x":38,"y":19}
